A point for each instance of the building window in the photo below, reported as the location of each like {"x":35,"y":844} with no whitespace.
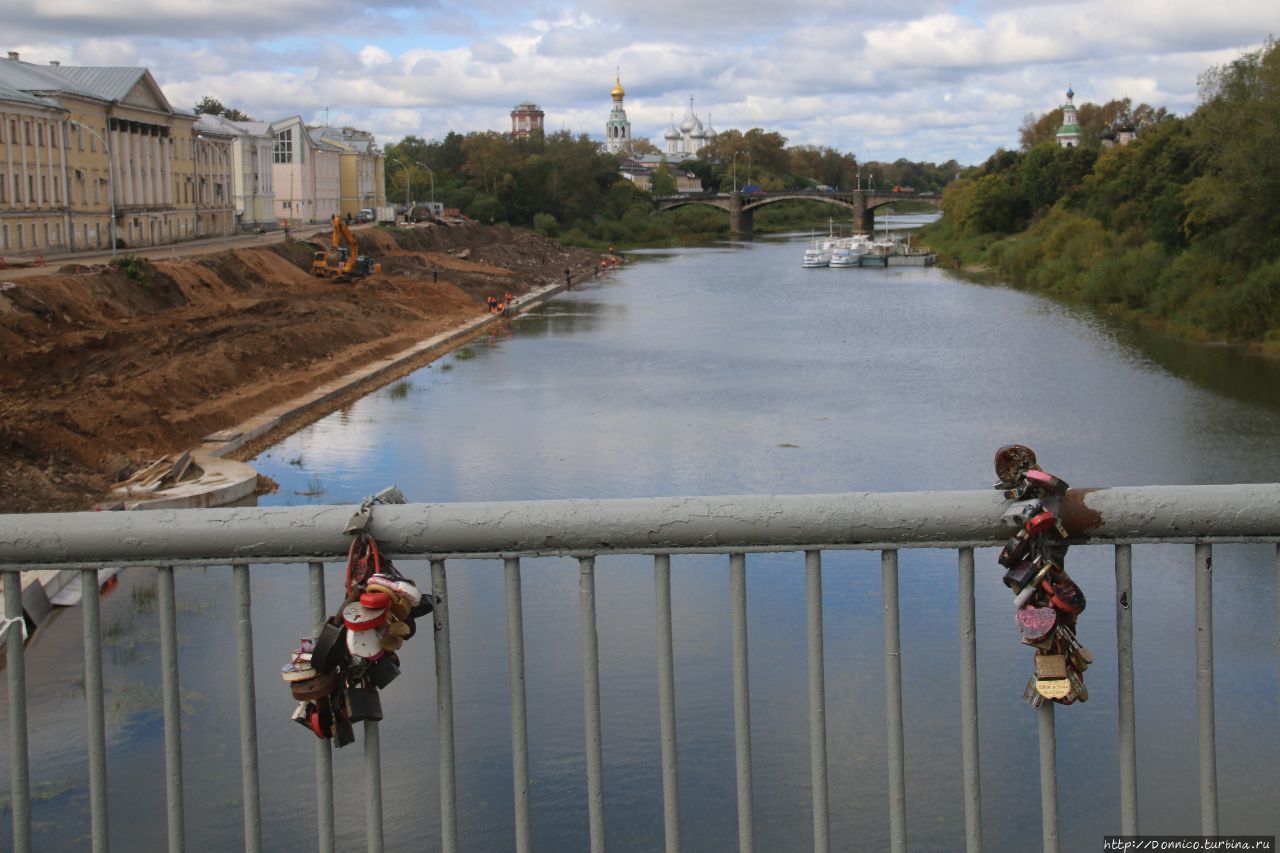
{"x":26,"y":131}
{"x":4,"y":188}
{"x":31,"y":192}
{"x":55,"y":189}
{"x":283,"y":151}
{"x":40,"y":137}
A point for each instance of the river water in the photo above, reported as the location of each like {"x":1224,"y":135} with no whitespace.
{"x":727,"y":370}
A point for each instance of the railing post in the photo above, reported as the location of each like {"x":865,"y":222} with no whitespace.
{"x":1124,"y":691}
{"x":519,"y":720}
{"x":324,"y":751}
{"x":444,"y":710}
{"x":591,"y":701}
{"x":667,"y":704}
{"x":1048,"y":779}
{"x":248,"y":712}
{"x":1204,"y":691}
{"x":741,"y":699}
{"x":817,"y":703}
{"x":969,"y":704}
{"x":172,"y":709}
{"x":19,"y":762}
{"x":893,"y":702}
{"x":95,"y":714}
{"x":372,"y":787}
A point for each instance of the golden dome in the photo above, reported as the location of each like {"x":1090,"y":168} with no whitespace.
{"x":618,"y":93}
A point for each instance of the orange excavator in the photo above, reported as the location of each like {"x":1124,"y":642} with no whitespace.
{"x":342,"y":264}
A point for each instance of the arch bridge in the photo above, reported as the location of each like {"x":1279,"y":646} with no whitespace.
{"x":742,"y":206}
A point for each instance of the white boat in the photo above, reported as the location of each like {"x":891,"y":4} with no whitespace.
{"x":848,"y":254}
{"x":814,"y":257}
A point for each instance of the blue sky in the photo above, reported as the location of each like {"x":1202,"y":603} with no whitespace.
{"x":916,"y":78}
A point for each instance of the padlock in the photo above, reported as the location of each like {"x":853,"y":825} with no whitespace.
{"x":375,"y":600}
{"x":1020,"y":575}
{"x":1012,"y":461}
{"x":1040,"y":523}
{"x":362,"y":704}
{"x":1036,"y":623}
{"x":1047,"y":483}
{"x":1063,"y":593}
{"x":1043,"y":568}
{"x":1017,"y":515}
{"x":365,"y":645}
{"x":316,"y":688}
{"x":1016,"y":549}
{"x":359,"y":618}
{"x":383,"y":671}
{"x":330,"y":646}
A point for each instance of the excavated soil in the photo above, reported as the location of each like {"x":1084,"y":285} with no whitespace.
{"x":103,"y":370}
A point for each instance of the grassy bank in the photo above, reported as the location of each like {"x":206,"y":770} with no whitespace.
{"x":1189,"y":293}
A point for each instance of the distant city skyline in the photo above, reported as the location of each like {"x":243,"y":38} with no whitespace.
{"x":922,"y":80}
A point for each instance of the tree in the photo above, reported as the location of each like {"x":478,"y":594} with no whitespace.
{"x":662,"y":183}
{"x":212,"y":106}
{"x":638,"y":147}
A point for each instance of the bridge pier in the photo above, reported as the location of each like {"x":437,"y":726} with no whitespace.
{"x":740,"y":221}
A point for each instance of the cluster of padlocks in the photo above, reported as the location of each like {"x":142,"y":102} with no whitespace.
{"x":1047,"y":601}
{"x":336,"y":674}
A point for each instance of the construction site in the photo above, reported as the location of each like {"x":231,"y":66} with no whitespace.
{"x":108,"y":368}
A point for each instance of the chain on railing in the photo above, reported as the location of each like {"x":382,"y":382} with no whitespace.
{"x":732,"y":526}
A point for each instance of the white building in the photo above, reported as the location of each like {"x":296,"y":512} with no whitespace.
{"x":251,"y":175}
{"x":305,"y":172}
{"x":691,"y":138}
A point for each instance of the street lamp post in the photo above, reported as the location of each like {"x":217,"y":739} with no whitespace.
{"x":735,"y":171}
{"x":111,"y":182}
{"x":432,"y":176}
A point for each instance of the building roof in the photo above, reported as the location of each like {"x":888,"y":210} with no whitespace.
{"x":102,"y":84}
{"x":9,"y":93}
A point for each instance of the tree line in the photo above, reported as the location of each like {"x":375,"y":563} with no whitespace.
{"x":568,"y":186}
{"x":1182,"y":225}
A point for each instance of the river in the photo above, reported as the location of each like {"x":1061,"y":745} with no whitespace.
{"x":728,"y":370}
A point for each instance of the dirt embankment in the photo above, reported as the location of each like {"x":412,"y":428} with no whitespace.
{"x":101,"y":369}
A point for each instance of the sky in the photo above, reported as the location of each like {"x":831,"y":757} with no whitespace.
{"x":925,"y":80}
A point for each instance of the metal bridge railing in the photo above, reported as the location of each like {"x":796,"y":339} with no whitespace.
{"x":735,"y":526}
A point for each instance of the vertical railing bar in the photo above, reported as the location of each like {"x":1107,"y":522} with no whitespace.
{"x":372,"y":787}
{"x":591,"y":701}
{"x":444,"y":710}
{"x":741,"y":700}
{"x":95,"y":713}
{"x":969,"y":704}
{"x":324,"y":750}
{"x":667,"y":703}
{"x":19,"y":761}
{"x":1204,"y":690}
{"x":248,"y":712}
{"x":893,"y":702}
{"x":817,"y":703}
{"x":519,"y":721}
{"x":1124,"y":691}
{"x":1048,"y":779}
{"x":172,"y":709}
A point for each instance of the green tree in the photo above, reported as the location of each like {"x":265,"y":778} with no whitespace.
{"x":212,"y":106}
{"x":662,"y":182}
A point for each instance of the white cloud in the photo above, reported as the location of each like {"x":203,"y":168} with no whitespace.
{"x":921,"y":79}
{"x":371,"y":55}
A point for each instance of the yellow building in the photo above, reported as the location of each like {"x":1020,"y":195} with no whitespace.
{"x":360,"y":169}
{"x":78,"y":141}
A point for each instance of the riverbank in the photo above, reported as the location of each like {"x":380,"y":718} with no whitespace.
{"x":1071,"y":259}
{"x":108,"y":368}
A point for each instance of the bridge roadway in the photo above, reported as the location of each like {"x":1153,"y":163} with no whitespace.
{"x":742,"y":206}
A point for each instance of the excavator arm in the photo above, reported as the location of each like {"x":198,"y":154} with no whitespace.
{"x":342,"y":233}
